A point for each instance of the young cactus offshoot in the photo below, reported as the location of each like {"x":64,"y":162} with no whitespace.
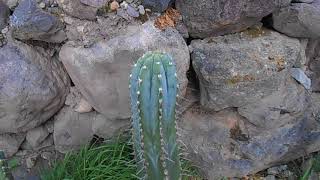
{"x":153,"y":90}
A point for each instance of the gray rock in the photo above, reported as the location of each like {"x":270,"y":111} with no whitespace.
{"x":11,"y":3}
{"x":76,"y":9}
{"x":33,"y":87}
{"x":10,"y":143}
{"x":72,"y":130}
{"x":31,"y":23}
{"x":132,"y":11}
{"x":4,"y":14}
{"x":95,"y":3}
{"x":224,"y":144}
{"x":157,"y":5}
{"x":270,"y":177}
{"x":36,"y":136}
{"x":299,"y":75}
{"x":299,"y":20}
{"x":238,"y":69}
{"x":302,"y":1}
{"x":315,"y":78}
{"x":283,"y":106}
{"x":106,"y":128}
{"x":101,"y":72}
{"x":215,"y":17}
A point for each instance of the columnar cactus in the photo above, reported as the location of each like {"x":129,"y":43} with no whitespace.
{"x":153,"y":91}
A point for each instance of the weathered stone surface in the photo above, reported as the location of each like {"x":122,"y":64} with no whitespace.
{"x":31,"y":23}
{"x":4,"y":14}
{"x":72,"y":130}
{"x":302,"y":1}
{"x":36,"y":136}
{"x":214,"y":17}
{"x":279,"y":108}
{"x":33,"y":87}
{"x":106,"y":128}
{"x":315,"y":78}
{"x":95,"y":3}
{"x":11,"y":3}
{"x":235,"y":70}
{"x":10,"y":143}
{"x":76,"y":9}
{"x":223,"y":144}
{"x":157,"y":5}
{"x":101,"y":72}
{"x":299,"y":20}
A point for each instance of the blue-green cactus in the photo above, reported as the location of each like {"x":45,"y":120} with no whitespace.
{"x":153,"y":91}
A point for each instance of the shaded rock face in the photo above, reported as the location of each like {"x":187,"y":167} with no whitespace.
{"x":31,"y":23}
{"x":299,"y":20}
{"x":10,"y":143}
{"x":4,"y":15}
{"x":72,"y":130}
{"x":157,"y":5}
{"x":33,"y":87}
{"x":224,"y":144}
{"x":101,"y":72}
{"x":235,"y":70}
{"x":214,"y":17}
{"x":77,"y":9}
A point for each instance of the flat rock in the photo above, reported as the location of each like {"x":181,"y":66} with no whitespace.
{"x":238,"y":69}
{"x":298,"y":20}
{"x":76,"y":9}
{"x":214,"y":17}
{"x":32,"y":23}
{"x":33,"y":87}
{"x":101,"y":71}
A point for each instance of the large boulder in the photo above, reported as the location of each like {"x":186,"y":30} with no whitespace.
{"x":224,"y":144}
{"x":238,"y":69}
{"x":4,"y":14}
{"x":299,"y":20}
{"x":29,"y":22}
{"x":215,"y":17}
{"x":33,"y":87}
{"x":101,"y":71}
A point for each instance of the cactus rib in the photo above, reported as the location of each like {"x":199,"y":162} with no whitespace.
{"x":153,"y":90}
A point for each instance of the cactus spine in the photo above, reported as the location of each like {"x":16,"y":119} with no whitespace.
{"x":153,"y":91}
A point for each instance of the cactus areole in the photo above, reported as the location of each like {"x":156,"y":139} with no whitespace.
{"x":153,"y":91}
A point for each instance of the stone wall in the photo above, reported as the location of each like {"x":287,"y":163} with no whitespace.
{"x":249,"y":76}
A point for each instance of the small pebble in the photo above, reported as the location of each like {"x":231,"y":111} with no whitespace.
{"x":141,"y":10}
{"x":129,"y":1}
{"x":114,"y":6}
{"x":124,"y":5}
{"x":42,"y":5}
{"x":5,"y":30}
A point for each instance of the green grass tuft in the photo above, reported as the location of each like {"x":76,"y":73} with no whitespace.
{"x":111,"y":160}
